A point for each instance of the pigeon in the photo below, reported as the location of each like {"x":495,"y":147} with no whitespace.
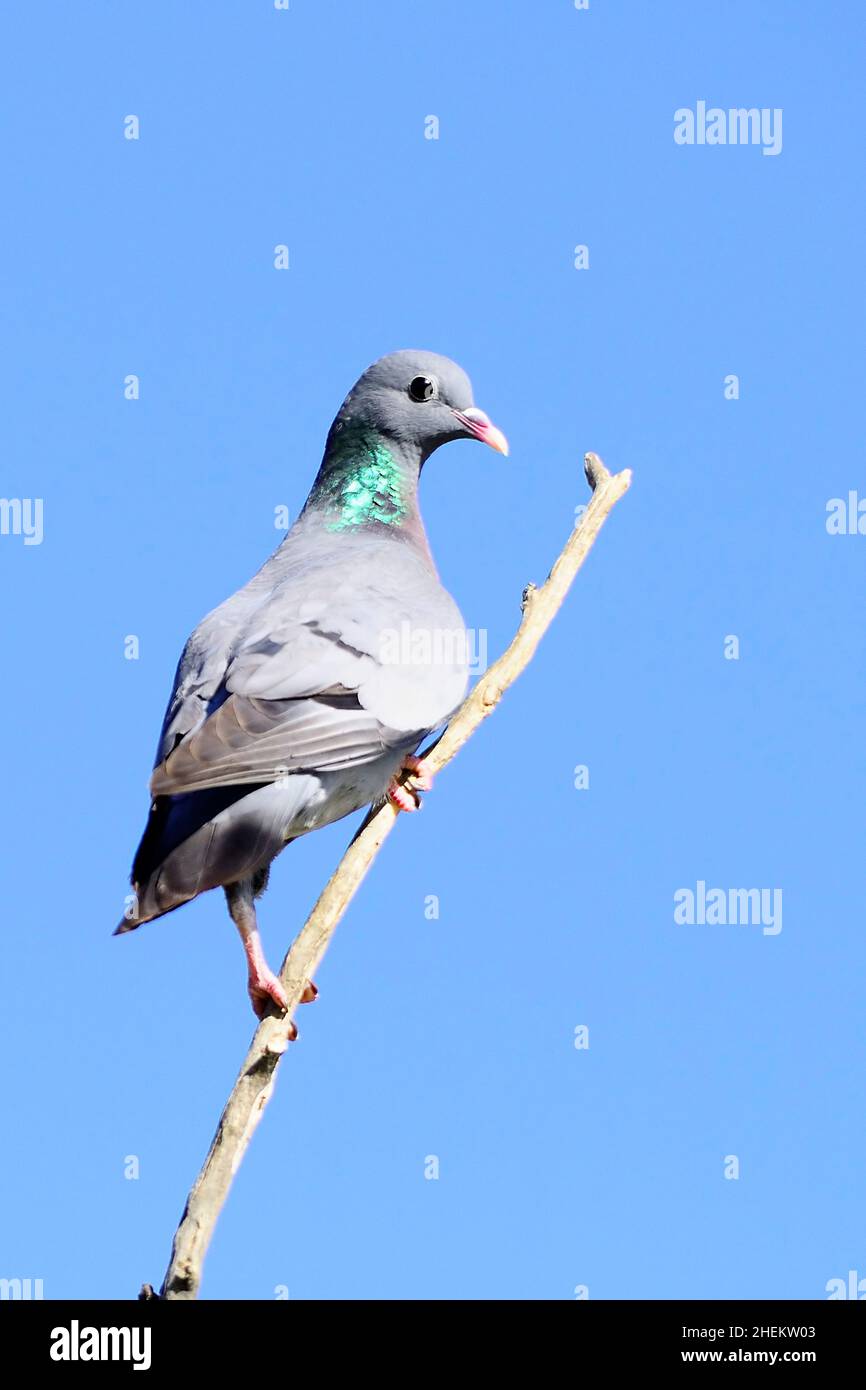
{"x":305,"y":696}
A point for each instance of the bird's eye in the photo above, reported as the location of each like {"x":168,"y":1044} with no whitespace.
{"x":423,"y":388}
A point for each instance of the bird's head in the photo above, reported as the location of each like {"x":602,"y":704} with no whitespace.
{"x":419,"y":400}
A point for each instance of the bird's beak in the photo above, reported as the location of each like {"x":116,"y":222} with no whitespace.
{"x":483,"y":428}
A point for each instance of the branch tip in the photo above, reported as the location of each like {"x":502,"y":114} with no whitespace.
{"x":595,"y":470}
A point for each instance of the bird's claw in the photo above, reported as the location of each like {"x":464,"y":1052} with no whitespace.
{"x":265,"y":989}
{"x":404,"y":795}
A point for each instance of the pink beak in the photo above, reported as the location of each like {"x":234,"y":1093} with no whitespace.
{"x":483,"y":428}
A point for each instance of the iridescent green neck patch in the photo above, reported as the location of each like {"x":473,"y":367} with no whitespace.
{"x":363,"y":482}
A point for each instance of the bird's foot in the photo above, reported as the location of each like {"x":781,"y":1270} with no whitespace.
{"x":404,"y":795}
{"x":264,"y":989}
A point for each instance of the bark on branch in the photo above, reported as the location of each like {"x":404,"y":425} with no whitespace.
{"x":252,"y":1090}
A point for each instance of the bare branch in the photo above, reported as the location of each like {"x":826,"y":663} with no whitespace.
{"x":254,"y":1085}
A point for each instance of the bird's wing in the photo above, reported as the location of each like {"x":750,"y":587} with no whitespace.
{"x":319,"y":680}
{"x":256,"y":741}
{"x":201,"y":670}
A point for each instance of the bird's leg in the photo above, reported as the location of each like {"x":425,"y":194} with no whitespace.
{"x":263,"y":984}
{"x":405,"y":795}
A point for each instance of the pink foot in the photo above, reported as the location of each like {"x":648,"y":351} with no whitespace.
{"x":265,"y":988}
{"x":405,"y":795}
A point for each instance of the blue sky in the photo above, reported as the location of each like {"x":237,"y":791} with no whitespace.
{"x":558,"y":1167}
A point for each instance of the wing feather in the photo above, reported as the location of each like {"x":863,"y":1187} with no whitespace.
{"x":297,"y":675}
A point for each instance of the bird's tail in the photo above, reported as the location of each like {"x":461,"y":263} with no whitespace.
{"x":146,"y":902}
{"x":173,"y":866}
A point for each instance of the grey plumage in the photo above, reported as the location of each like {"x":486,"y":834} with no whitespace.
{"x":296,"y":701}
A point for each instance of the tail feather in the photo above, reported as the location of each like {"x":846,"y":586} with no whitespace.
{"x":201,"y":841}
